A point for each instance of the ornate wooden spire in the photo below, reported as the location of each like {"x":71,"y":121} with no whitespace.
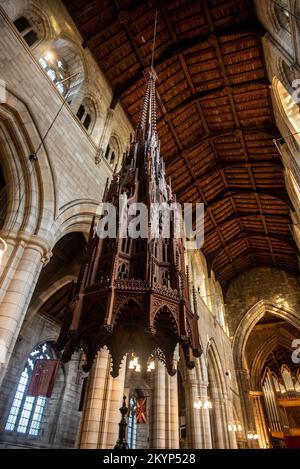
{"x":132,"y":294}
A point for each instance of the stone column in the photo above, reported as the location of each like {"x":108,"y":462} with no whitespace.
{"x":173,"y":413}
{"x":21,"y":270}
{"x":158,"y":427}
{"x":229,"y":418}
{"x":261,"y":427}
{"x":217,"y":421}
{"x":204,"y":416}
{"x":92,"y":422}
{"x":247,"y":408}
{"x":113,"y":416}
{"x":193,"y":416}
{"x":101,"y":416}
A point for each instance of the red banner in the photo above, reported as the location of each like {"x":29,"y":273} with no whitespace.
{"x":43,"y":378}
{"x":141,"y":410}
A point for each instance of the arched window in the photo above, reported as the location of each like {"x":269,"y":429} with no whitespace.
{"x":107,"y":152}
{"x":26,"y":412}
{"x":112,"y":159}
{"x":87,"y":113}
{"x":123,"y":272}
{"x":112,"y":153}
{"x":131,"y":436}
{"x":166,"y":279}
{"x":87,"y":121}
{"x":81,"y":112}
{"x":288,"y":106}
{"x":27,"y":31}
{"x":165,"y":250}
{"x":56,"y":69}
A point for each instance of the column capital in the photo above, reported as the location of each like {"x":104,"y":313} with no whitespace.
{"x":30,"y":241}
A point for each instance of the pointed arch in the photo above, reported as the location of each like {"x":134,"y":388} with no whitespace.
{"x":254,"y":314}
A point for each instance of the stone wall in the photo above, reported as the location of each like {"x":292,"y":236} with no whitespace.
{"x":262,"y":283}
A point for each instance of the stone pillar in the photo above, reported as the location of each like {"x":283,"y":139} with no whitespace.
{"x":204,"y":417}
{"x":173,"y":413}
{"x":158,"y":426}
{"x":92,"y":422}
{"x":217,"y":420}
{"x":193,"y":416}
{"x":113,"y":405}
{"x":247,"y":408}
{"x":101,"y":416}
{"x":229,"y":418}
{"x":21,"y":270}
{"x":261,"y":427}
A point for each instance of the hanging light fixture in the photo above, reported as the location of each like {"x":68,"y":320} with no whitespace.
{"x":3,"y":248}
{"x":252,"y":436}
{"x":151,"y":365}
{"x":134,"y":363}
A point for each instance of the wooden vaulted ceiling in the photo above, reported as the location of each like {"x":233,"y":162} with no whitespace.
{"x":215,"y":117}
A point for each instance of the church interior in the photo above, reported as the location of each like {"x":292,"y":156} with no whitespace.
{"x":192,"y":101}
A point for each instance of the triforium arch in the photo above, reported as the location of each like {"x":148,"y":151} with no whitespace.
{"x":262,"y":354}
{"x":249,"y":378}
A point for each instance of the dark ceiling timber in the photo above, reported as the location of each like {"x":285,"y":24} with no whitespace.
{"x":215,"y":117}
{"x":253,"y":28}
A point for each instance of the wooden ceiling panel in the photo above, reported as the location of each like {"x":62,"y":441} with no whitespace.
{"x":215,"y":118}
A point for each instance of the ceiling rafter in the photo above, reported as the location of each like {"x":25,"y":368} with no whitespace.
{"x":215,"y":119}
{"x":238,"y":164}
{"x":255,"y":28}
{"x":241,"y":216}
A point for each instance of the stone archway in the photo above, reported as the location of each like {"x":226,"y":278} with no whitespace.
{"x":251,"y":398}
{"x":254,"y":314}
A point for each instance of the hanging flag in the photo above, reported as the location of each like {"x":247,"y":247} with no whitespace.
{"x":43,"y":378}
{"x":141,"y":410}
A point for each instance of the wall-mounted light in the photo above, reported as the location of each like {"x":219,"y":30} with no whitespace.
{"x":252,"y":436}
{"x":202,"y":405}
{"x":234,"y":427}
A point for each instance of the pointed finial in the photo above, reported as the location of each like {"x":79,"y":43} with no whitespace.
{"x":154,"y":38}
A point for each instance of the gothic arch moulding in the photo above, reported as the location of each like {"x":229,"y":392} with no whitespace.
{"x":254,"y":314}
{"x":262,"y":354}
{"x":31,"y":186}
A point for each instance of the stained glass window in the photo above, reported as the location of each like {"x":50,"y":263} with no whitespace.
{"x":131,"y":436}
{"x":26,"y":412}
